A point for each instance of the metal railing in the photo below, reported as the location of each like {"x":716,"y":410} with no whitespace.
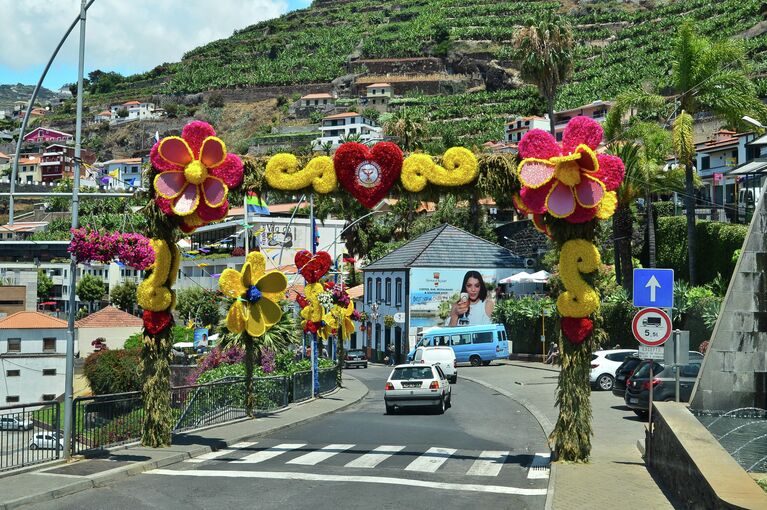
{"x":328,"y":377}
{"x":302,"y":386}
{"x":30,"y":434}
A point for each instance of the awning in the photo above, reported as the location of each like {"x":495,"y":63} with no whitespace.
{"x":752,"y":167}
{"x":183,"y":345}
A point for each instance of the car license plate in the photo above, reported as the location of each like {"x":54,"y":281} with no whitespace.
{"x":633,"y":401}
{"x":411,"y":384}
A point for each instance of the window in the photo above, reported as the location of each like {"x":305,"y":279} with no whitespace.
{"x":47,"y":397}
{"x":441,"y":340}
{"x":485,"y":337}
{"x":398,"y":292}
{"x":705,"y":163}
{"x":369,"y":291}
{"x":388,"y":291}
{"x":559,"y":136}
{"x":618,"y":356}
{"x":378,"y":289}
{"x":11,"y":399}
{"x":690,"y":370}
{"x":49,"y":371}
{"x":12,"y":373}
{"x":49,"y":345}
{"x":462,"y":339}
{"x":14,"y":345}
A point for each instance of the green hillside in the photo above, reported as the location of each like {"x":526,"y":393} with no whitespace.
{"x":621,"y":44}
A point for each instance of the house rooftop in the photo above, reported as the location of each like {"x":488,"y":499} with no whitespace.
{"x":437,"y":248}
{"x":31,"y":320}
{"x":378,"y":85}
{"x":24,"y":226}
{"x":110,"y":317}
{"x":124,"y":160}
{"x":596,"y":103}
{"x":131,"y":103}
{"x":342,"y":115}
{"x":322,"y":95}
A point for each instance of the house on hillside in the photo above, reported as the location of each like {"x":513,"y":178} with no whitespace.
{"x":321,"y":100}
{"x":29,"y":170}
{"x":517,"y":128}
{"x":112,"y":324}
{"x":412,"y":287}
{"x":5,"y":161}
{"x":45,"y":135}
{"x":123,"y":173}
{"x":105,"y":116}
{"x":33,"y":358}
{"x":58,"y":162}
{"x":596,"y":110}
{"x":336,"y":128}
{"x":21,"y":230}
{"x":136,"y":111}
{"x":377,"y":95}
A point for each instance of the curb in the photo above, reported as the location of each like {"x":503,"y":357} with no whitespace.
{"x":546,"y":426}
{"x":120,"y":473}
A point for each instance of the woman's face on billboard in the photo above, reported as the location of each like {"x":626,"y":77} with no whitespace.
{"x":472,"y":288}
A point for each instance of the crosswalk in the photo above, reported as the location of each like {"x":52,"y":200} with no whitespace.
{"x":477,"y":464}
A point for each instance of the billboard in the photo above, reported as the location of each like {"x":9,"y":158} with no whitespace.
{"x":453,"y":297}
{"x":201,"y":338}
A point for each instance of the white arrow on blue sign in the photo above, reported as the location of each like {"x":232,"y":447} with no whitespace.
{"x":654,"y":287}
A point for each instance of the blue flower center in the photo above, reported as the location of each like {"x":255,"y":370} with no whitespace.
{"x":253,"y":294}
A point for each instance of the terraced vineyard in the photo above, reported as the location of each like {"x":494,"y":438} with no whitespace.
{"x":620,"y":46}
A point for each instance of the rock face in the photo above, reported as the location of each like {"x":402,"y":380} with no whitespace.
{"x":734,"y":371}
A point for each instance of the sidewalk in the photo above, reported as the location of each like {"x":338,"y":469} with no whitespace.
{"x":615,"y":472}
{"x":45,"y":483}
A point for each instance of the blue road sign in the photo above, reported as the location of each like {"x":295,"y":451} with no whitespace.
{"x":654,"y":287}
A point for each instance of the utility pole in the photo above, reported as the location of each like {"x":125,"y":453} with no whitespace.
{"x":73,"y":262}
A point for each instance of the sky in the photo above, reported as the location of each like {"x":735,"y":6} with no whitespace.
{"x":127,"y":36}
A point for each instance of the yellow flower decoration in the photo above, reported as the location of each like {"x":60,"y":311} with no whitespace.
{"x":607,"y":206}
{"x":154,"y":293}
{"x":283,"y":172}
{"x":460,"y":167}
{"x":256,"y":292}
{"x":579,"y":300}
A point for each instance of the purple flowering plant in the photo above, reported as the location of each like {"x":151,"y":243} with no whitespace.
{"x":90,"y":245}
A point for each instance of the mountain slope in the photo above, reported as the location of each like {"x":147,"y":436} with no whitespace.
{"x":11,"y":93}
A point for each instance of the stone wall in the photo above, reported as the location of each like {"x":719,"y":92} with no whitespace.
{"x":424,"y":65}
{"x":689,"y":463}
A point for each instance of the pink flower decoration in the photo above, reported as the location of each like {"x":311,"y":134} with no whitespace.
{"x":195,"y":175}
{"x":567,"y":182}
{"x":89,"y":245}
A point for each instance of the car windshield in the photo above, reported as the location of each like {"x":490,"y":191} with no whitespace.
{"x":355,"y":353}
{"x":404,"y":373}
{"x":644,"y":370}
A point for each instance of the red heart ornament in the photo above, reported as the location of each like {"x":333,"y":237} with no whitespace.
{"x":154,"y":322}
{"x":366,"y":173}
{"x":576,"y":329}
{"x":313,"y":267}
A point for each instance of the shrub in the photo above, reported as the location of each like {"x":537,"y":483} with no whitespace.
{"x":617,"y":311}
{"x":216,"y":100}
{"x":113,"y":371}
{"x":518,"y":315}
{"x":662,"y":209}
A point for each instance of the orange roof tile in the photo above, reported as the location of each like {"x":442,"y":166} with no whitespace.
{"x":4,"y":155}
{"x":378,"y":85}
{"x":342,"y":115}
{"x":356,"y":292}
{"x":105,"y":113}
{"x":31,"y":320}
{"x":323,"y":95}
{"x":131,"y":103}
{"x":110,"y":317}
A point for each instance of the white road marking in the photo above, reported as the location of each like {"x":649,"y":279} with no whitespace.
{"x":283,"y":475}
{"x":430,"y":461}
{"x":372,"y":459}
{"x":539,"y":467}
{"x":488,"y":464}
{"x":310,"y":459}
{"x":222,"y":452}
{"x":255,"y":458}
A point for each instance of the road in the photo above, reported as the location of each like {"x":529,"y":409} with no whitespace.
{"x":480,"y":454}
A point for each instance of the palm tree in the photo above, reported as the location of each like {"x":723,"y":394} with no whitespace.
{"x":275,"y":339}
{"x":407,"y":127}
{"x":706,"y":76}
{"x":545,"y":50}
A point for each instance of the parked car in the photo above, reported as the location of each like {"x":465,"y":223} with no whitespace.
{"x":630,"y":365}
{"x":14,"y":423}
{"x":442,"y":356}
{"x":663,"y":383}
{"x":46,"y":441}
{"x":355,"y":358}
{"x":415,"y":385}
{"x":603,"y":367}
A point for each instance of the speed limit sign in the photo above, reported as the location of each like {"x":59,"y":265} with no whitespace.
{"x":651,"y":326}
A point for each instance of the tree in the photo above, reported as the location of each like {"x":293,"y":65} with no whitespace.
{"x":44,"y":285}
{"x":544,"y":48}
{"x":276,"y":339}
{"x":123,"y":296}
{"x":684,"y":148}
{"x":199,"y":305}
{"x":407,"y":127}
{"x":90,"y":288}
{"x":371,"y":113}
{"x":216,"y":100}
{"x":122,"y":113}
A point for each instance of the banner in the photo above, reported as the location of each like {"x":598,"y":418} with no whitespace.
{"x":201,"y":338}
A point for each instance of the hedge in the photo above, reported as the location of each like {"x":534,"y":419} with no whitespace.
{"x":113,"y":371}
{"x":716,"y":243}
{"x":522,"y":318}
{"x":663,"y":209}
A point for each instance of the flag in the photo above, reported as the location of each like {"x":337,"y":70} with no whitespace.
{"x":156,"y":137}
{"x":115,"y":173}
{"x":256,"y":204}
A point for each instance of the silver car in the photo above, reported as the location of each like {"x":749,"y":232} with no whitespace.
{"x":14,"y":423}
{"x":47,"y":441}
{"x":417,"y":386}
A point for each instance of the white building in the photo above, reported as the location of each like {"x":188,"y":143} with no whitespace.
{"x":336,"y":128}
{"x":125,"y":173}
{"x":109,"y":323}
{"x":319,"y":101}
{"x":105,"y":116}
{"x":378,"y":95}
{"x":32,"y":358}
{"x":517,"y":128}
{"x":136,"y":111}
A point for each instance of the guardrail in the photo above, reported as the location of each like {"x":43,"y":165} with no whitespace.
{"x":30,"y":434}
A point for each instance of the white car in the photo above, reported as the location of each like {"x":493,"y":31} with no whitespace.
{"x":442,"y":356}
{"x":416,"y":385}
{"x":603,"y":367}
{"x":46,"y":441}
{"x":14,"y":423}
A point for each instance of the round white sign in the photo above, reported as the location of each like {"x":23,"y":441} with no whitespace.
{"x":651,"y":326}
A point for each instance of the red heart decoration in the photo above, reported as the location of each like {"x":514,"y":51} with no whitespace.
{"x":313,"y":267}
{"x":154,"y":322}
{"x":576,"y":329}
{"x":368,"y":174}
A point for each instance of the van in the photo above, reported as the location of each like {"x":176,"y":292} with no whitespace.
{"x":442,"y":356}
{"x":478,"y":345}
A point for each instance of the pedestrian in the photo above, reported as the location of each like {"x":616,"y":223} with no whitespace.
{"x":390,"y":350}
{"x":553,"y":355}
{"x":324,"y":352}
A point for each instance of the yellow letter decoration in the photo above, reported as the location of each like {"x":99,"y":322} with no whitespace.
{"x":579,"y":300}
{"x":154,"y":293}
{"x":460,"y":167}
{"x":283,"y":172}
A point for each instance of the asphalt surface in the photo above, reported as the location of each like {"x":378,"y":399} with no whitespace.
{"x":480,"y":454}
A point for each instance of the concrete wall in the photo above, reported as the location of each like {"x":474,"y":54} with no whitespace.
{"x":691,"y":464}
{"x":13,"y":299}
{"x":737,"y":355}
{"x":115,"y":338}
